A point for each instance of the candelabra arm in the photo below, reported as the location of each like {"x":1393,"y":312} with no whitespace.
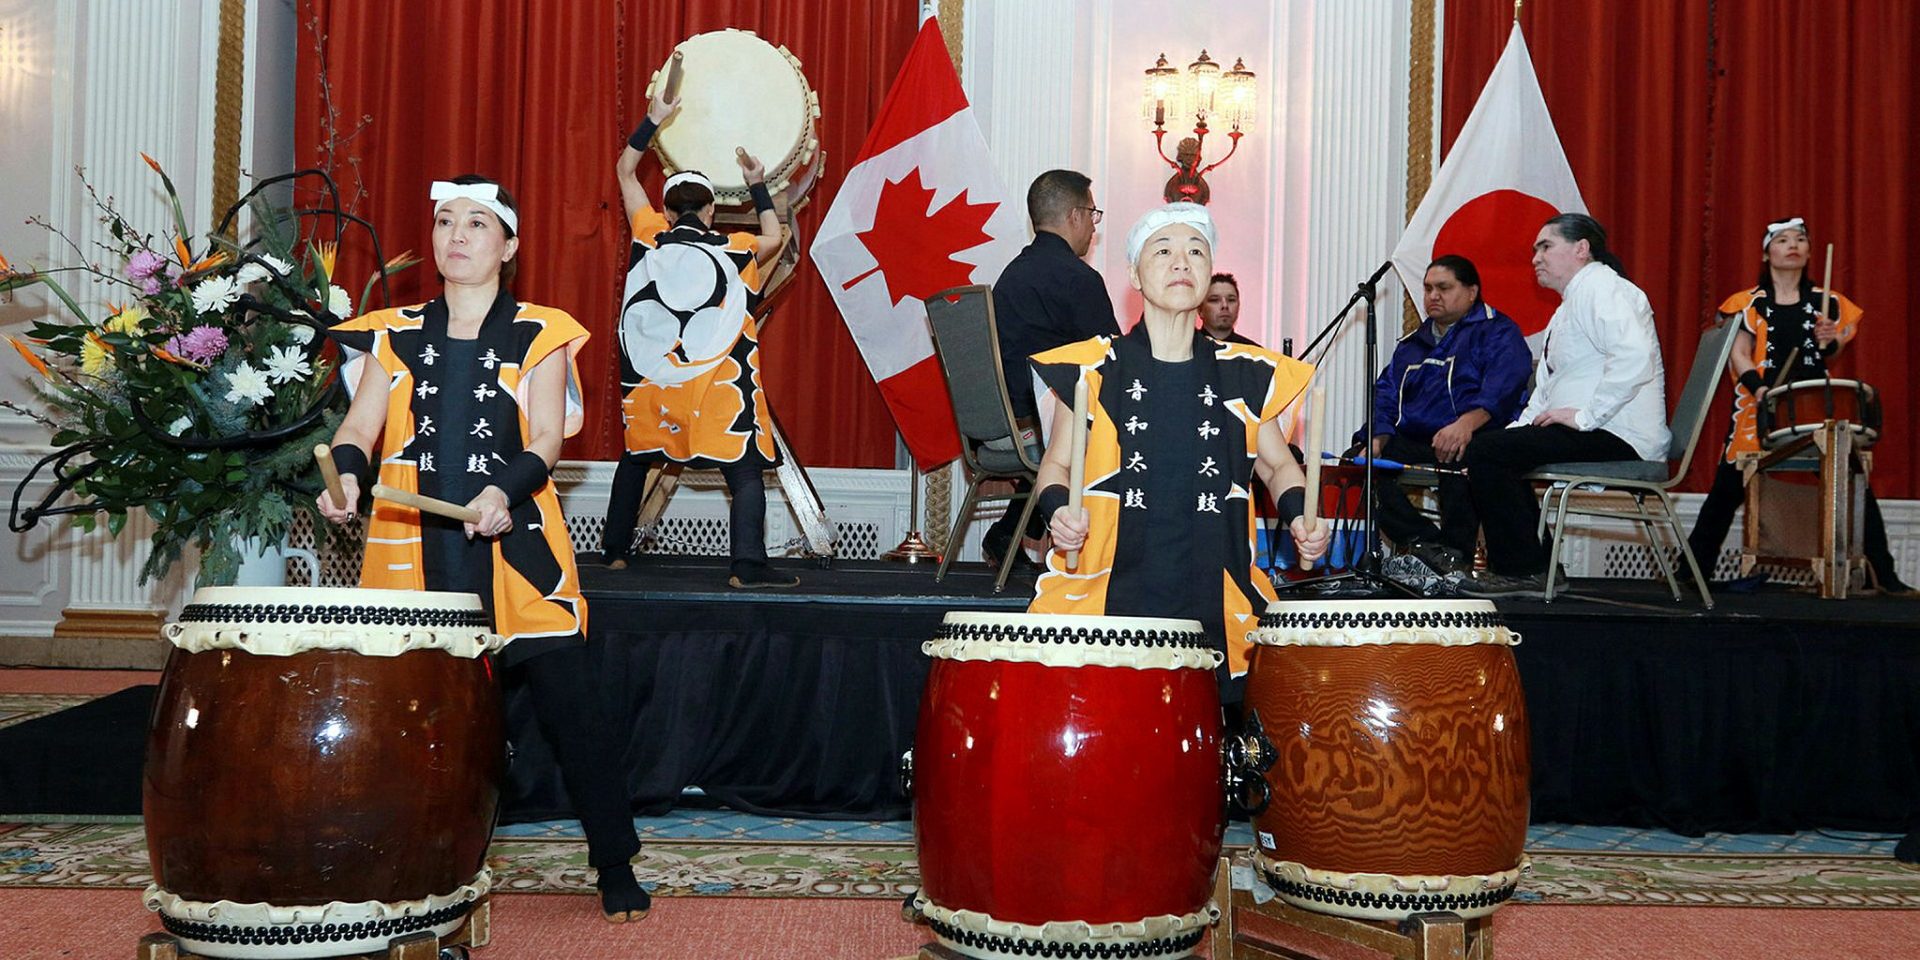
{"x":1159,"y":145}
{"x":1233,"y":135}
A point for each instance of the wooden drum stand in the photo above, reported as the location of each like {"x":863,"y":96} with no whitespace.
{"x":1804,"y":526}
{"x":473,"y":934}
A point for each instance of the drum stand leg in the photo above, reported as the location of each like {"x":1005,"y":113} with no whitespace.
{"x":474,"y":933}
{"x":1427,"y":936}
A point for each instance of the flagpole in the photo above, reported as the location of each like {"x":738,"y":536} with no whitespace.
{"x":913,"y":548}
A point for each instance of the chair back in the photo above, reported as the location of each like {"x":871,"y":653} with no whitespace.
{"x":1690,"y":414}
{"x":968,"y":345}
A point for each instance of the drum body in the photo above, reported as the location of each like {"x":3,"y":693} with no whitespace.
{"x":741,"y":91}
{"x":1067,"y":786}
{"x":1401,"y":781}
{"x":1793,"y":410}
{"x":323,"y":769}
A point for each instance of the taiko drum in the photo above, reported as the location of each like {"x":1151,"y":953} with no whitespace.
{"x":323,"y":769}
{"x":1067,"y":785}
{"x":1401,"y":777}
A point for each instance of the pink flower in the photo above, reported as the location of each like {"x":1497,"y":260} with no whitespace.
{"x":143,"y":265}
{"x":201,"y":344}
{"x":150,"y":284}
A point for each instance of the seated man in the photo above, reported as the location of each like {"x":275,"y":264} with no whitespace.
{"x":1462,"y":371}
{"x":1601,"y":395}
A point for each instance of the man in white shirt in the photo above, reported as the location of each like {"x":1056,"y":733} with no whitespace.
{"x":1600,"y":395}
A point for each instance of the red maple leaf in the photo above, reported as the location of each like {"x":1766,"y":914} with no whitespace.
{"x":914,"y":244}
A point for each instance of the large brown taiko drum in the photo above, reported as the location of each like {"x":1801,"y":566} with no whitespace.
{"x":323,"y":769}
{"x":1400,"y":784}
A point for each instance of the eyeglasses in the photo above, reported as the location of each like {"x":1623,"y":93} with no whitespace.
{"x":1095,"y":212}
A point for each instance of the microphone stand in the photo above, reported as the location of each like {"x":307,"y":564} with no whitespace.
{"x":1364,"y":576}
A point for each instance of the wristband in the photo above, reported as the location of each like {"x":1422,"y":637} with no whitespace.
{"x":1753,"y":381}
{"x":1051,"y":499}
{"x":762,"y":200}
{"x":1832,"y":347}
{"x":1292,"y":504}
{"x":523,"y":477}
{"x":643,"y":134}
{"x":350,"y":460}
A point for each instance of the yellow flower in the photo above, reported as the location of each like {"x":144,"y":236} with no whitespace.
{"x":130,"y":321}
{"x":95,"y":356}
{"x":329,"y":252}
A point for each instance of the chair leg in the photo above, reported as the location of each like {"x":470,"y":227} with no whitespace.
{"x":1653,"y":543}
{"x":961,"y":521}
{"x":1686,"y":550}
{"x":1546,"y":496}
{"x":1019,"y":535}
{"x":1559,"y":540}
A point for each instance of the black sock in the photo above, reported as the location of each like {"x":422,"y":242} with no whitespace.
{"x":620,"y":892}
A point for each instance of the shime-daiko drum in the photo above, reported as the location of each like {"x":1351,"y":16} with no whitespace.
{"x":1400,"y":734}
{"x":323,"y":769}
{"x":1067,"y":786}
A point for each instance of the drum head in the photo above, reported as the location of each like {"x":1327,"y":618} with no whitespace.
{"x":738,"y":90}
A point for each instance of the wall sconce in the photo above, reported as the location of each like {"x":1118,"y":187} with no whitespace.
{"x":1204,"y":93}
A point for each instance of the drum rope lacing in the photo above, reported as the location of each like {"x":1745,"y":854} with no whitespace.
{"x":1408,"y":619}
{"x":302,"y":933}
{"x":1124,"y":637}
{"x":324,"y":613}
{"x":1409,"y":902}
{"x":1169,"y":946}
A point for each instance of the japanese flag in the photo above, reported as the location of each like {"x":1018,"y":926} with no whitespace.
{"x":921,"y":210}
{"x":1505,"y":176}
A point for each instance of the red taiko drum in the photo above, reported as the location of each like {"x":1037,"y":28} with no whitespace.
{"x":1067,"y":786}
{"x":1400,"y":784}
{"x":1800,"y":408}
{"x":323,"y":769}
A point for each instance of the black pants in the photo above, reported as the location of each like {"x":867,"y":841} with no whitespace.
{"x":1402,"y":522}
{"x":746,"y":516}
{"x":1497,"y":463}
{"x":1729,"y":493}
{"x":572,"y":718}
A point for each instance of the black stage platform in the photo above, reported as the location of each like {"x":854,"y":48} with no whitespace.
{"x":1776,"y":711}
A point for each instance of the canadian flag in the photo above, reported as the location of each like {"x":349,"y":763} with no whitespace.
{"x":1505,"y":176}
{"x":921,"y":210}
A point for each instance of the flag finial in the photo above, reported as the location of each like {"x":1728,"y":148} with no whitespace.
{"x":1516,"y":10}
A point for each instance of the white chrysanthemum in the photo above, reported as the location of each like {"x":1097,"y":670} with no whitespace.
{"x":254,"y":272}
{"x":215,"y":294}
{"x":248,"y":385}
{"x":338,"y":302}
{"x":287,"y":363}
{"x":300,"y":332}
{"x":179,"y":427}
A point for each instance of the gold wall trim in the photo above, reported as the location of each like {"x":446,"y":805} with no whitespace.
{"x":229,"y":93}
{"x":1420,"y":107}
{"x":953,"y":27}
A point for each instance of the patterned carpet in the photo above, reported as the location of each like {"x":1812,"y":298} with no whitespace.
{"x":722,"y":854}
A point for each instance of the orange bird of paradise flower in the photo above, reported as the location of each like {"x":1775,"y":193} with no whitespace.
{"x":39,"y":365}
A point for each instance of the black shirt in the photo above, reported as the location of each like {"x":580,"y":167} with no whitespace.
{"x":1046,"y":297}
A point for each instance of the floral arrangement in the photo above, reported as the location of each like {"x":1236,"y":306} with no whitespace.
{"x":200,"y":394}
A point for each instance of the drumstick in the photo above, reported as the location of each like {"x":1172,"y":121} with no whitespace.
{"x":323,"y":455}
{"x":1077,"y":465}
{"x":674,"y":72}
{"x":1314,"y":420}
{"x":1826,"y":295}
{"x":451,"y":511}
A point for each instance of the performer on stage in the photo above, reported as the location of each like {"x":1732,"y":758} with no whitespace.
{"x":690,"y":353}
{"x":1460,"y":373}
{"x":1780,"y":322}
{"x":1220,"y":311}
{"x":1601,"y":395}
{"x":1181,"y":424}
{"x":1046,"y":297}
{"x":467,"y":398}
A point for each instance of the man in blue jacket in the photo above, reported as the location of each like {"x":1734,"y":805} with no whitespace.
{"x":1463,"y":370}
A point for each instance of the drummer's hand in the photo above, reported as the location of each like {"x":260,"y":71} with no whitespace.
{"x":1312,"y":546}
{"x":750,"y":166}
{"x":1825,"y":331}
{"x":494,"y":519}
{"x":350,"y":485}
{"x":1069,"y":528}
{"x":661,"y":108}
{"x":1560,"y":415}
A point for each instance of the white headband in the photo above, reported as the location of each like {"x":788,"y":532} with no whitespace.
{"x":484,"y":194}
{"x":1775,"y":229}
{"x":688,"y":176}
{"x":1191,"y":214}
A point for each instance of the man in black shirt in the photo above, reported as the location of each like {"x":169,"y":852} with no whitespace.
{"x":1045,"y":298}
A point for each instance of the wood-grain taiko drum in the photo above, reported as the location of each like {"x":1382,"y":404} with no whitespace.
{"x":1067,"y":786}
{"x":322,"y":770}
{"x":1800,"y":408}
{"x":1400,"y":784}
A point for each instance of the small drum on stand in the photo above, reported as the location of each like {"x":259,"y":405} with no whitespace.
{"x":323,"y":770}
{"x":741,"y":91}
{"x":1399,"y":785}
{"x":1067,"y":784}
{"x":1798,"y":409}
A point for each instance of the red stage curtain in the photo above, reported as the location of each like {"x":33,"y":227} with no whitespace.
{"x":541,"y":94}
{"x":1690,"y":124}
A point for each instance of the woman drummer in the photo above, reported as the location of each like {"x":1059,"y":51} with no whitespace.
{"x":1781,"y":324}
{"x":1181,"y":425}
{"x":468,"y":397}
{"x":690,"y":352}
